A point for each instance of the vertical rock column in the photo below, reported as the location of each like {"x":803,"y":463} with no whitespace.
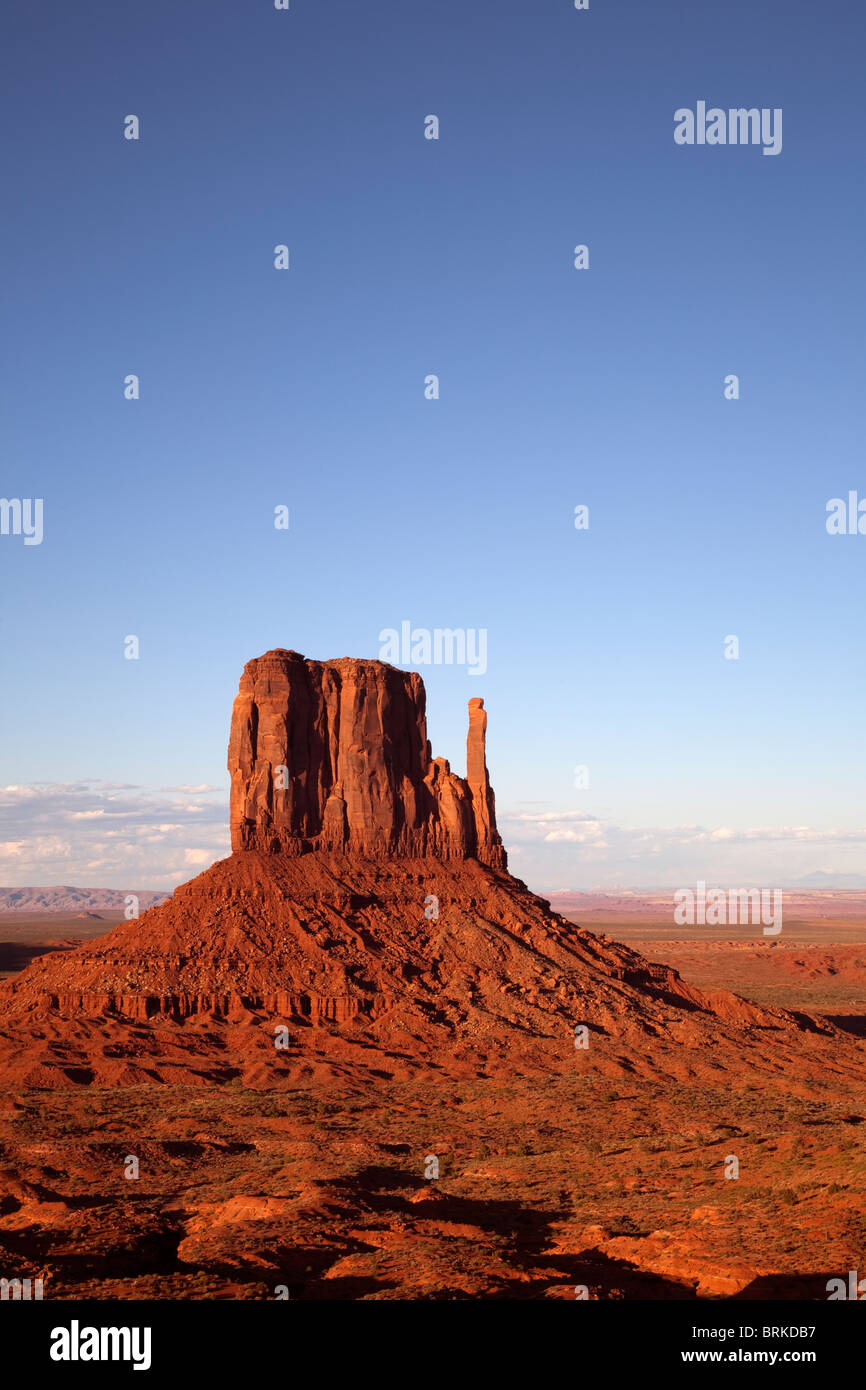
{"x":487,"y":841}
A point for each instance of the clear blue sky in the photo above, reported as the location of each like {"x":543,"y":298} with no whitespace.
{"x":557,"y":387}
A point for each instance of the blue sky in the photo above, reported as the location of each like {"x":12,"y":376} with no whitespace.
{"x":558,"y":387}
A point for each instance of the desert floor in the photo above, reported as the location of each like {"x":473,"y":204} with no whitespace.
{"x":542,"y":1187}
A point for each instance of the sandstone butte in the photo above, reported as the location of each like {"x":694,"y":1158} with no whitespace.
{"x":366,"y":919}
{"x":334,"y":756}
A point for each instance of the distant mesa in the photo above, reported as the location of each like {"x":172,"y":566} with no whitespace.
{"x":78,"y":901}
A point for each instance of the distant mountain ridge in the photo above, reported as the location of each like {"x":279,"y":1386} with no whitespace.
{"x":798,"y":902}
{"x":64,"y":898}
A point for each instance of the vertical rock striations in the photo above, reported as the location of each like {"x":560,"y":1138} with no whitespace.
{"x":334,"y":756}
{"x":488,"y":844}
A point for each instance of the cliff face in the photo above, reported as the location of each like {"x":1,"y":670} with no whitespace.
{"x":334,"y":756}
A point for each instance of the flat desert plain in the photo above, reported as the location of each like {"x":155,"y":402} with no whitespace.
{"x":816,"y":963}
{"x":26,"y":935}
{"x":618,"y":1186}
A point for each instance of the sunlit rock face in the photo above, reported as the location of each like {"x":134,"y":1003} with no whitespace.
{"x":334,"y":755}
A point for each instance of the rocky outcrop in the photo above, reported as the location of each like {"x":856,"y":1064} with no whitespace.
{"x":334,"y":756}
{"x":365,"y":920}
{"x":337,"y":957}
{"x":480,"y":790}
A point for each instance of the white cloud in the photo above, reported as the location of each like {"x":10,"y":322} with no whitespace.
{"x":121,"y":833}
{"x":109,"y":835}
{"x":573,"y":847}
{"x":203,"y":787}
{"x":199,"y":857}
{"x":36,"y":850}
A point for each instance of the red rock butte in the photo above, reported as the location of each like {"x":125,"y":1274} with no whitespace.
{"x":366,"y":912}
{"x":334,"y":755}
